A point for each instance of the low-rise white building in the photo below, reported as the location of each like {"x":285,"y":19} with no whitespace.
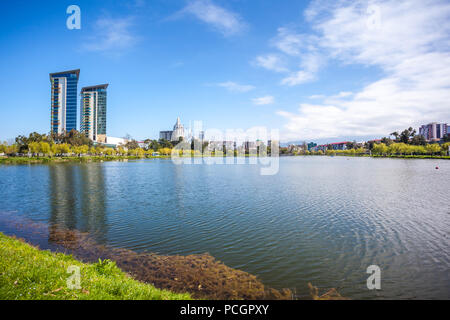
{"x":116,"y":141}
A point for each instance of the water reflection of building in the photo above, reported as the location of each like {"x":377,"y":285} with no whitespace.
{"x":93,"y":198}
{"x":78,"y":198}
{"x":63,"y":201}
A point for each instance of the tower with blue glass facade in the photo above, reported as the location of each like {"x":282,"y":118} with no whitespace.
{"x":93,"y":112}
{"x":64,"y":99}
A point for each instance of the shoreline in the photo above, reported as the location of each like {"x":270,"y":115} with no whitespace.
{"x":201,"y":276}
{"x":87,"y":159}
{"x":29,"y":273}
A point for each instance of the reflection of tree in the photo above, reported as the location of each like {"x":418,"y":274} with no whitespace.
{"x":78,"y":199}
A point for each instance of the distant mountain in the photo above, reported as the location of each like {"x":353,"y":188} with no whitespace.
{"x":285,"y":144}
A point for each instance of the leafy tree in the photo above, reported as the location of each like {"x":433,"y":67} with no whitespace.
{"x":84,"y":149}
{"x":446,"y":147}
{"x":3,"y":147}
{"x":44,"y":147}
{"x":92,"y":150}
{"x":163,"y":143}
{"x":73,"y":138}
{"x":433,"y":148}
{"x":387,"y":141}
{"x":418,"y":140}
{"x":22,"y":142}
{"x":33,"y":147}
{"x":121,"y":151}
{"x":395,"y":134}
{"x":54,"y":149}
{"x":406,"y":135}
{"x":76,"y":150}
{"x":140,"y":152}
{"x":132,"y":144}
{"x":205,"y":146}
{"x":174,"y":143}
{"x":165,"y":151}
{"x":351,"y":145}
{"x":109,"y":151}
{"x":398,"y":148}
{"x":64,"y":148}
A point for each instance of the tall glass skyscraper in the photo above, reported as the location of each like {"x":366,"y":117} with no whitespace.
{"x":64,"y":101}
{"x":93,"y":112}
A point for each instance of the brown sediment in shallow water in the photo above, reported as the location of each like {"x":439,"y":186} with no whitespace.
{"x":199,"y":274}
{"x":331,"y":294}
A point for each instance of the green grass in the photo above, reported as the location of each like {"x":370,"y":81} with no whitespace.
{"x":29,"y":273}
{"x":39,"y":160}
{"x":28,"y":160}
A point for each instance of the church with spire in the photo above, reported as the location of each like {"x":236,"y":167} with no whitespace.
{"x":178,"y":131}
{"x":175,"y":134}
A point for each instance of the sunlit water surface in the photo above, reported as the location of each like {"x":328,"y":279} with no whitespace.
{"x":321,"y":220}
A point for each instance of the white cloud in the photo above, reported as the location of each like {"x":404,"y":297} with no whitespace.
{"x":271,"y":62}
{"x":263,"y":100}
{"x":410,"y":43}
{"x":344,"y":94}
{"x":223,"y":20}
{"x":235,"y":87}
{"x":316,"y":96}
{"x":310,"y":65}
{"x":111,"y":35}
{"x":298,"y":78}
{"x":302,"y":49}
{"x":292,"y":43}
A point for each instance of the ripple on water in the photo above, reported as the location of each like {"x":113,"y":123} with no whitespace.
{"x":319,"y":219}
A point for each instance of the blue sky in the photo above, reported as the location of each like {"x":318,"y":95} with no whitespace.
{"x":316,"y":70}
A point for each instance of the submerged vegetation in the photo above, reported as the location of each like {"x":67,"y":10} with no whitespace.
{"x":29,"y":273}
{"x":200,"y":275}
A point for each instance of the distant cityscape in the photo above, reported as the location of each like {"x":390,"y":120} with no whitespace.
{"x":93,"y":120}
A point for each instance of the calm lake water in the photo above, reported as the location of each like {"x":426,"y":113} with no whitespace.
{"x":321,"y":220}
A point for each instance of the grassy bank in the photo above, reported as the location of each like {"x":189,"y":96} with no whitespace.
{"x":37,"y":160}
{"x":407,"y":156}
{"x":29,"y":273}
{"x":26,"y":160}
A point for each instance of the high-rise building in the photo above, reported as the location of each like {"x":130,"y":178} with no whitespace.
{"x":434,"y":131}
{"x":63,"y":115}
{"x":165,"y":135}
{"x":93,"y":112}
{"x":178,"y":131}
{"x":175,"y":134}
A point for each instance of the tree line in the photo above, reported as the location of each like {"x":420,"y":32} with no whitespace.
{"x":406,"y":142}
{"x":75,"y":143}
